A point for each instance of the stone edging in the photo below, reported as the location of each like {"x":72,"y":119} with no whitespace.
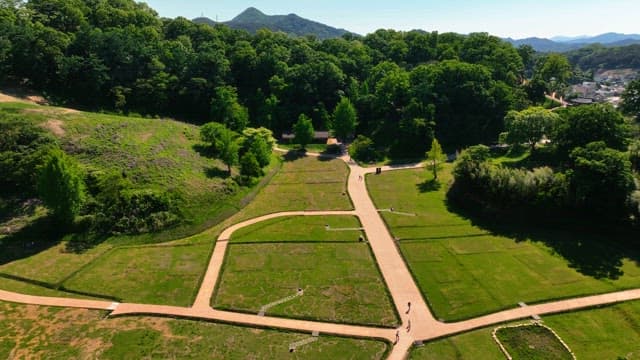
{"x":535,"y":323}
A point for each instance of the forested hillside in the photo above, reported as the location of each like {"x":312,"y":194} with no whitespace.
{"x":596,"y":57}
{"x":120,"y":56}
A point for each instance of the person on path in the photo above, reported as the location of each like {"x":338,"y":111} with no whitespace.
{"x":397,"y":337}
{"x":408,"y":307}
{"x":408,"y":325}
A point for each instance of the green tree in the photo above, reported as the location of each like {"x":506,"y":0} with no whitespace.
{"x":228,"y":148}
{"x":529,"y":126}
{"x":631,"y":99}
{"x":261,"y":151}
{"x":61,"y":187}
{"x":226,"y":109}
{"x":435,"y":157}
{"x":601,"y":180}
{"x":581,"y":125}
{"x":363,"y":149}
{"x":211,"y":133}
{"x":556,"y":70}
{"x":345,"y":119}
{"x":303,"y":130}
{"x":249,"y":165}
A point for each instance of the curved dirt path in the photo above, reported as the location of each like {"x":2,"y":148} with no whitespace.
{"x":403,"y":289}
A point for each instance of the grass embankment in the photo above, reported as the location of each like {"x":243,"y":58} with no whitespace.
{"x":52,"y":333}
{"x":603,"y":333}
{"x":465,"y":270}
{"x":269,"y":261}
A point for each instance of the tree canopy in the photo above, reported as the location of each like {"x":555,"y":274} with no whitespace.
{"x":529,"y":126}
{"x":303,"y":130}
{"x":61,"y":187}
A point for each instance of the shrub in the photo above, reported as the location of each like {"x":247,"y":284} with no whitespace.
{"x":362,"y":149}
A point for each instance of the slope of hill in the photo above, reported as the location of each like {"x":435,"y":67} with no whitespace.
{"x":153,"y":154}
{"x":253,"y":20}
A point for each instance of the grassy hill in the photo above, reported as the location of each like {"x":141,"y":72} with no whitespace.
{"x":155,"y":154}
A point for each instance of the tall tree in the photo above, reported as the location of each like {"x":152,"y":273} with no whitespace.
{"x":61,"y":187}
{"x":345,"y":119}
{"x":435,"y":156}
{"x":631,"y":99}
{"x":226,"y":109}
{"x":601,"y":181}
{"x":581,"y":125}
{"x":303,"y":130}
{"x":228,"y":148}
{"x":529,"y":126}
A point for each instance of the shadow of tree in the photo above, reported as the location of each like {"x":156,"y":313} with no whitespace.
{"x":216,"y":172}
{"x":204,"y":150}
{"x":429,"y":186}
{"x":293,"y":155}
{"x":34,"y":238}
{"x":591,"y":248}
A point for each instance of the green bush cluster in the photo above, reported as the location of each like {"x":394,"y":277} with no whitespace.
{"x":588,"y":172}
{"x":482,"y":184}
{"x":116,"y":207}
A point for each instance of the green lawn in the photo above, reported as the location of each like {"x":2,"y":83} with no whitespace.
{"x":166,"y":275}
{"x":301,"y":228}
{"x":465,"y":271}
{"x":533,"y":343}
{"x":303,"y":183}
{"x":340,"y":280}
{"x":604,"y":333}
{"x":53,"y":333}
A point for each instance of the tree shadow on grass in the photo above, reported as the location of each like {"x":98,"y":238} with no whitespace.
{"x":34,"y":238}
{"x":293,"y":155}
{"x":204,"y":150}
{"x":591,"y":248}
{"x":429,"y":186}
{"x":216,"y":172}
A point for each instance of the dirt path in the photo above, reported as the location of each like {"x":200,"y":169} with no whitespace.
{"x":418,"y":324}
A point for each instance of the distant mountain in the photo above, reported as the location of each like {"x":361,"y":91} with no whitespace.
{"x":543,"y":45}
{"x":564,"y":43}
{"x":567,"y":38}
{"x":606,"y":39}
{"x":253,"y":20}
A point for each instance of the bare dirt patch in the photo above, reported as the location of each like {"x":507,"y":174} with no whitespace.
{"x":55,"y":126}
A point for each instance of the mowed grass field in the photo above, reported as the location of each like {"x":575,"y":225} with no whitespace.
{"x":465,"y":271}
{"x":338,"y":274}
{"x":52,"y":333}
{"x":301,"y":229}
{"x":303,"y":183}
{"x":603,"y":333}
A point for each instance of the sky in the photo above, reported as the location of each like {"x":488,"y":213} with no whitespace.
{"x":515,"y":18}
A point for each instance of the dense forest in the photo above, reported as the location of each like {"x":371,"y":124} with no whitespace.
{"x":119,"y":56}
{"x":596,"y":57}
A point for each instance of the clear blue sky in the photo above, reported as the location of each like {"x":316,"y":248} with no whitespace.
{"x":515,"y":18}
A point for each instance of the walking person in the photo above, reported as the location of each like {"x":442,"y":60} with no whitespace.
{"x":408,"y":307}
{"x":408,"y":325}
{"x":397,"y":337}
